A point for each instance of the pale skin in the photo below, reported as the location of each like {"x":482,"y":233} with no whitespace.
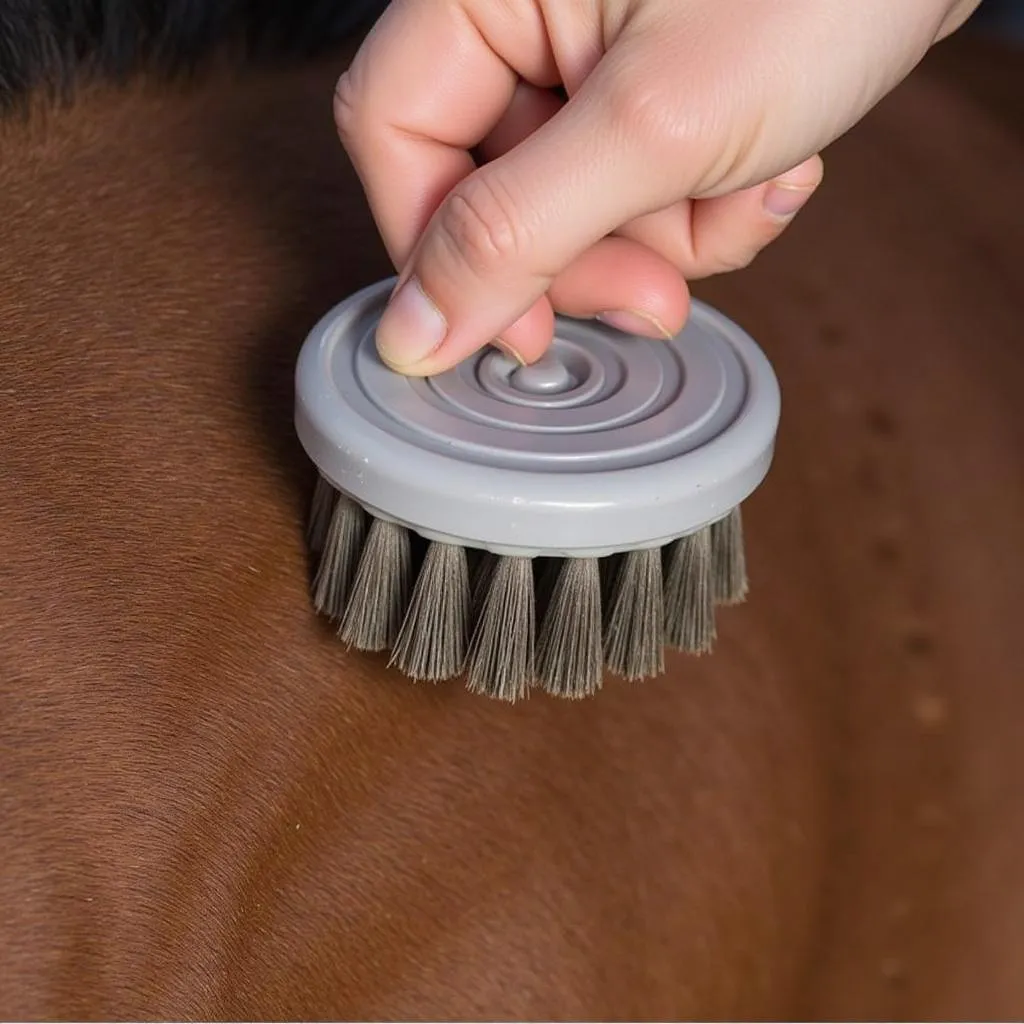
{"x":691,"y":137}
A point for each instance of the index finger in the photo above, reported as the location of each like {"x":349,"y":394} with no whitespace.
{"x":424,"y":89}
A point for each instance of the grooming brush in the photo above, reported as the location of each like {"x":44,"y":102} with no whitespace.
{"x":533,"y":526}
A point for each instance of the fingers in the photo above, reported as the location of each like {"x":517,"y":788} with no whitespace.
{"x":480,"y":249}
{"x":627,"y":284}
{"x":529,"y":108}
{"x":729,"y":231}
{"x":712,"y":236}
{"x":506,"y":231}
{"x":697,"y":237}
{"x":423,"y":89}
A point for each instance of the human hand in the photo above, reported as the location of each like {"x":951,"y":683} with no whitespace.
{"x":689,"y":140}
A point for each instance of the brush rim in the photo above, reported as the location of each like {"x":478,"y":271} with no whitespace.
{"x":546,"y":552}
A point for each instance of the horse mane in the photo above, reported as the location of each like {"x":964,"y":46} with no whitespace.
{"x":50,"y":46}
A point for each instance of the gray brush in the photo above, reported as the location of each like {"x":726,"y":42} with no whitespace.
{"x":580,"y":514}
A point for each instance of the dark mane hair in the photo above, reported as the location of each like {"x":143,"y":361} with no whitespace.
{"x":48,"y":45}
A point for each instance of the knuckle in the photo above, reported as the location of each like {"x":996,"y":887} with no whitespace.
{"x":346,"y":106}
{"x":480,"y":223}
{"x":646,"y":112}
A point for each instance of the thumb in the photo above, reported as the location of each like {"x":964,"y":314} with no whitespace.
{"x":493,"y":247}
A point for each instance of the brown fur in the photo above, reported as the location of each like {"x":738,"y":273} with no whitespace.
{"x":208,"y":808}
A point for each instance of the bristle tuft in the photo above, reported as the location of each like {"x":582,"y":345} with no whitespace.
{"x":689,"y":603}
{"x":432,"y":642}
{"x":635,"y":633}
{"x":728,"y":560}
{"x":501,"y":656}
{"x":380,"y":592}
{"x":569,"y":650}
{"x":481,"y":585}
{"x":320,"y":509}
{"x":342,"y":546}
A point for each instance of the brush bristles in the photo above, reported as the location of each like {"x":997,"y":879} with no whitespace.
{"x":432,"y":642}
{"x":689,"y":602}
{"x":341,"y":549}
{"x":380,"y":592}
{"x":635,"y":630}
{"x":445,"y":618}
{"x":482,"y":585}
{"x":728,"y":560}
{"x":501,"y":654}
{"x":569,"y":655}
{"x":320,"y":509}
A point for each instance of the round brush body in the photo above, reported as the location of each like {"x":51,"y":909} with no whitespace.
{"x":533,"y":525}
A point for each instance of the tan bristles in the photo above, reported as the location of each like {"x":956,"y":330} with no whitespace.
{"x":339,"y":558}
{"x":513,"y":623}
{"x":380,"y":593}
{"x":482,"y":584}
{"x":635,"y":632}
{"x":689,"y":603}
{"x":500,"y":662}
{"x":320,"y":509}
{"x":432,"y":641}
{"x":569,"y":649}
{"x":728,"y":560}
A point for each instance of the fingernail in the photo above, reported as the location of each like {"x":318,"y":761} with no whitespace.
{"x":782,"y":200}
{"x":411,"y":328}
{"x":633,"y":321}
{"x":505,"y":347}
